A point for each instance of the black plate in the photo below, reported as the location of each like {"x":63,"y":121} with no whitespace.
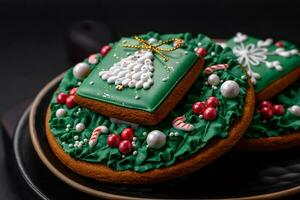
{"x":234,"y":175}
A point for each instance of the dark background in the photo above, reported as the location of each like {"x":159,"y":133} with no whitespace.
{"x":40,"y":39}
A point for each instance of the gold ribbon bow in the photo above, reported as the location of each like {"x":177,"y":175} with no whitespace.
{"x":156,"y":48}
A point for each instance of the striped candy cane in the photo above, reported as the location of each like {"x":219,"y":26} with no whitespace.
{"x":94,"y":137}
{"x":211,"y":69}
{"x":93,"y":59}
{"x":179,"y":123}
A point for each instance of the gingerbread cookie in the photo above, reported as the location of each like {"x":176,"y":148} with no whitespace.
{"x":276,"y":123}
{"x":141,"y":79}
{"x":206,"y":123}
{"x":272,"y":66}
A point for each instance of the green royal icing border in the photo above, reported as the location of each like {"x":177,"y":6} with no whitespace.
{"x":177,"y":148}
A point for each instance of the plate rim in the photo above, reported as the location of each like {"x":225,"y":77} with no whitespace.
{"x":19,"y":162}
{"x":99,"y":193}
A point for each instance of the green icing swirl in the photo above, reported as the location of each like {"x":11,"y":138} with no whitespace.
{"x":177,"y":148}
{"x":278,"y":125}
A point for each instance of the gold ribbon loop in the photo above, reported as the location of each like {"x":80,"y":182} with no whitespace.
{"x":156,"y":48}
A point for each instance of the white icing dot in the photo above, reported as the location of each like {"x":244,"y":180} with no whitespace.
{"x":61,"y":112}
{"x":213,"y":79}
{"x":76,"y":137}
{"x":230,"y":89}
{"x":70,"y":145}
{"x":144,"y":133}
{"x":123,"y":156}
{"x":176,"y":133}
{"x":91,"y":82}
{"x":152,"y":41}
{"x":200,"y":116}
{"x":137,"y":97}
{"x":63,"y":143}
{"x":68,"y":125}
{"x":85,"y":140}
{"x":80,"y":127}
{"x":171,"y":134}
{"x":67,"y":129}
{"x":212,"y":53}
{"x":81,"y":70}
{"x":134,"y":153}
{"x":79,"y":83}
{"x":156,"y":139}
{"x":134,"y":138}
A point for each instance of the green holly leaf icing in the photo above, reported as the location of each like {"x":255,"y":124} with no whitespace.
{"x":287,"y":123}
{"x":179,"y":146}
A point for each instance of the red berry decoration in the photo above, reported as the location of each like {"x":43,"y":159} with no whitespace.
{"x":267,"y":104}
{"x":104,"y":50}
{"x":70,"y":102}
{"x":61,"y":98}
{"x":266,"y":113}
{"x":278,"y":109}
{"x":210,"y":114}
{"x":198,"y":107}
{"x":113,"y":140}
{"x":212,"y":102}
{"x":125,"y":147}
{"x":279,"y":44}
{"x":73,"y":91}
{"x":127,"y":134}
{"x":201,"y":52}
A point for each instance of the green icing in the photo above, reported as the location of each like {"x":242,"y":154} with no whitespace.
{"x":177,"y":148}
{"x":260,"y":56}
{"x":278,"y":125}
{"x":165,"y":77}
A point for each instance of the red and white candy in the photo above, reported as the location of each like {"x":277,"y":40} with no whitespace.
{"x":211,"y":69}
{"x":94,"y":137}
{"x":180,"y":124}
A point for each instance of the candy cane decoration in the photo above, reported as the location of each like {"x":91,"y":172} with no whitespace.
{"x":211,"y":69}
{"x":179,"y":123}
{"x":93,"y":59}
{"x":94,"y":137}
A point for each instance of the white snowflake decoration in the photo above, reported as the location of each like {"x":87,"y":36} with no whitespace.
{"x":134,"y":71}
{"x":254,"y":54}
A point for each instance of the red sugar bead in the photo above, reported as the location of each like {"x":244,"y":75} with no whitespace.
{"x":198,"y":107}
{"x":104,"y":50}
{"x":61,"y":98}
{"x":267,"y":104}
{"x":201,"y":52}
{"x":70,"y":102}
{"x":279,"y":44}
{"x":73,"y":91}
{"x":278,"y":109}
{"x":212,"y":102}
{"x":127,"y":134}
{"x":113,"y":140}
{"x":210,"y":114}
{"x":125,"y":147}
{"x":266,"y":113}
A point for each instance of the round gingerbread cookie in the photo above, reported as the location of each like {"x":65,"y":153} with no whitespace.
{"x":207,"y":122}
{"x":271,"y":65}
{"x":276,"y":123}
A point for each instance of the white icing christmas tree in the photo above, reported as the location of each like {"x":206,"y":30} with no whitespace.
{"x":134,"y":71}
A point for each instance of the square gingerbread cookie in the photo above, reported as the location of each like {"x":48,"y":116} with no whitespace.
{"x":141,"y":79}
